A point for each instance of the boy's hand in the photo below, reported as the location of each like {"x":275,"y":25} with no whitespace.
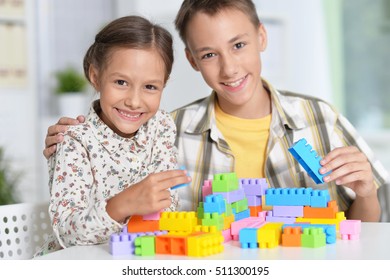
{"x":148,"y":196}
{"x":55,"y":133}
{"x":351,"y":168}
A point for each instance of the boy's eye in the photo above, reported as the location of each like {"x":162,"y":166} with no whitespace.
{"x":208,"y":55}
{"x":239,"y":45}
{"x":151,"y":87}
{"x":121,"y":82}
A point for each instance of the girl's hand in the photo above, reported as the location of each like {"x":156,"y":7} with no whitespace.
{"x":148,"y":196}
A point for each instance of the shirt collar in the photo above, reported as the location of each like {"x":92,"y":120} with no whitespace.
{"x":108,"y":138}
{"x":202,"y":121}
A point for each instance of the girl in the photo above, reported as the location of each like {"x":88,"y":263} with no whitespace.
{"x":122,"y":160}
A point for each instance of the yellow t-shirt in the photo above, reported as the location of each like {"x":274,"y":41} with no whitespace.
{"x":247,"y":139}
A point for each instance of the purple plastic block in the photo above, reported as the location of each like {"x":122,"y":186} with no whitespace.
{"x":319,"y":198}
{"x":121,"y":244}
{"x":271,"y":218}
{"x":233,"y":196}
{"x":287,"y":211}
{"x":254,"y":200}
{"x":288,"y":196}
{"x":254,"y":186}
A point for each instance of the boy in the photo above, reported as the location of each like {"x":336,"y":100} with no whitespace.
{"x":247,"y":126}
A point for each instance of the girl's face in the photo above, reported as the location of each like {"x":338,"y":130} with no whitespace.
{"x":130,"y":89}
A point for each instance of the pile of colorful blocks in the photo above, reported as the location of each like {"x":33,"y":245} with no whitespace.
{"x":232,"y":209}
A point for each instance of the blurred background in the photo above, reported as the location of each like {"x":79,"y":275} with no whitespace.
{"x":337,"y":50}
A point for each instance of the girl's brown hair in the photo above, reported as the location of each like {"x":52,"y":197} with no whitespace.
{"x":133,"y":32}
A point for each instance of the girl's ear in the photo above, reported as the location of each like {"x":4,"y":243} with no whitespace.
{"x":191,"y":59}
{"x":93,"y":77}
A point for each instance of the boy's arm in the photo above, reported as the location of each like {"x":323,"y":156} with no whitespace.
{"x":55,"y":134}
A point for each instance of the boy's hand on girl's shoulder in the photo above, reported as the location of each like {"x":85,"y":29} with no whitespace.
{"x":55,"y":133}
{"x":351,"y":168}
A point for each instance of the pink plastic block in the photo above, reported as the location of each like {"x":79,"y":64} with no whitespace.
{"x":287,"y":211}
{"x":251,"y":222}
{"x":152,"y":216}
{"x":226,"y":235}
{"x":350,"y":229}
{"x":207,"y":188}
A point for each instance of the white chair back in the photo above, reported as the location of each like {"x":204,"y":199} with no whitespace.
{"x":23,"y":229}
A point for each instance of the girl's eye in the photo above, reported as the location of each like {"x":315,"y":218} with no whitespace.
{"x":208,"y":55}
{"x":121,"y":82}
{"x":239,"y":45}
{"x":151,"y":87}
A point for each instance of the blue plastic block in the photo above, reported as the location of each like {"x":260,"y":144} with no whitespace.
{"x":181,"y":185}
{"x":248,"y":238}
{"x":329,"y":230}
{"x":308,"y":159}
{"x":214,"y":203}
{"x":320,"y":198}
{"x":288,"y":196}
{"x":241,"y":215}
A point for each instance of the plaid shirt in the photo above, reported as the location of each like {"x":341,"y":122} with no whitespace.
{"x":204,"y":151}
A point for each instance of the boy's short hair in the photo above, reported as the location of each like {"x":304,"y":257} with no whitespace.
{"x":189,"y":8}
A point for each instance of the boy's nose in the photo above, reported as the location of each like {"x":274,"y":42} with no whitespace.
{"x":229,"y":66}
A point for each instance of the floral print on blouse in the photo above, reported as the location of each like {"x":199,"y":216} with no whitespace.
{"x":93,"y":164}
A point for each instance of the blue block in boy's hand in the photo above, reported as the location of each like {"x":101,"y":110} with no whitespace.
{"x":181,"y":185}
{"x":308,"y":159}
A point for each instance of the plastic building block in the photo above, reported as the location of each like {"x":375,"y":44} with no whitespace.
{"x":227,"y":221}
{"x":271,"y":218}
{"x":254,"y":210}
{"x":254,"y":200}
{"x":255,"y":186}
{"x":181,"y":185}
{"x":319,"y":198}
{"x":291,"y":237}
{"x":225,"y":182}
{"x":152,"y":216}
{"x":121,"y":245}
{"x":145,"y":246}
{"x":207,"y":188}
{"x":350,"y":229}
{"x":137,"y":224}
{"x":241,"y":215}
{"x":205,"y":244}
{"x":232,"y":196}
{"x":240,"y":205}
{"x":323,"y":213}
{"x":329,"y":230}
{"x":288,"y":196}
{"x":205,"y":229}
{"x":269,"y":235}
{"x":313,"y":238}
{"x":178,"y":221}
{"x":214,"y":203}
{"x":171,"y":244}
{"x":308,"y":159}
{"x":336,"y":221}
{"x":287,"y":211}
{"x":251,"y":222}
{"x":213,"y":219}
{"x":226,"y":235}
{"x":248,"y":238}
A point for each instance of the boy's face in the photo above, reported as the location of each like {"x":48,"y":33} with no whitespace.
{"x":225,"y":48}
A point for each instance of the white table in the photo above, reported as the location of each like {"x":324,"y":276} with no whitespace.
{"x":374,"y":244}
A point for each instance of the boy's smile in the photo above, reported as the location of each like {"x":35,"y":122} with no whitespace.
{"x":225,"y":48}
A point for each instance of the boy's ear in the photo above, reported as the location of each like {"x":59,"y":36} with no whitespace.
{"x":191,"y":59}
{"x":262,"y":33}
{"x":93,"y":77}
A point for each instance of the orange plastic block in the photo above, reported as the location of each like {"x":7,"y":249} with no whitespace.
{"x":269,"y":235}
{"x":178,"y":221}
{"x":336,"y":221}
{"x":291,"y":237}
{"x":254,"y":210}
{"x":205,"y":244}
{"x":171,"y":245}
{"x":324,"y":213}
{"x":138,"y":224}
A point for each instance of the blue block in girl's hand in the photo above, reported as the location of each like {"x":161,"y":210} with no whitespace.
{"x":181,"y":185}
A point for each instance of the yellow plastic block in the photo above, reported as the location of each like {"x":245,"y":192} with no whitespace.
{"x":205,"y":229}
{"x":227,"y":221}
{"x":178,"y":221}
{"x":339,"y":217}
{"x":269,"y":235}
{"x":205,"y":244}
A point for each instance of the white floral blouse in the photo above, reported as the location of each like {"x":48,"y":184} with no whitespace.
{"x":93,"y":164}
